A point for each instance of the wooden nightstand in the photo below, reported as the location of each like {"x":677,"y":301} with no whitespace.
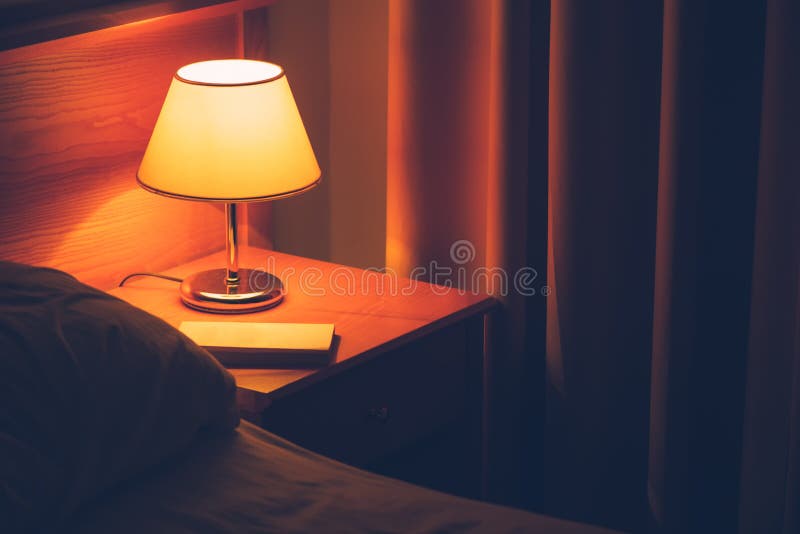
{"x":404,"y":393}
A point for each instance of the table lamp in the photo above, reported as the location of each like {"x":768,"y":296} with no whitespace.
{"x":229,"y":131}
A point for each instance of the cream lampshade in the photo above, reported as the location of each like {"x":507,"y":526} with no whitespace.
{"x":229,"y":131}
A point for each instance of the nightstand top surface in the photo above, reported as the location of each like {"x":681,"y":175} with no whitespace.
{"x":368,"y":320}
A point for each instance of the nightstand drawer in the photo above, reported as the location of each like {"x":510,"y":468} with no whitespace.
{"x":381,"y":406}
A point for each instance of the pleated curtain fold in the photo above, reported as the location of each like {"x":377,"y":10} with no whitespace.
{"x":644,"y":159}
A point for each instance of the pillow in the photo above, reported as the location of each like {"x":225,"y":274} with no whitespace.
{"x":92,"y":391}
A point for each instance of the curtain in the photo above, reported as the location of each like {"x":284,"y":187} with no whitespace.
{"x":770,"y":482}
{"x":603,"y":139}
{"x":644,"y":159}
{"x":710,"y":130}
{"x":461,"y":173}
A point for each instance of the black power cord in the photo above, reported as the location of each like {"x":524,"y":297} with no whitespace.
{"x":155,"y":275}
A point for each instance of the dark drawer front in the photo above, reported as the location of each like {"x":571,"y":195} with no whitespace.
{"x":381,"y":406}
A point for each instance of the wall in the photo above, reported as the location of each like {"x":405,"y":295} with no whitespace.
{"x":336,"y":57}
{"x":359,"y":56}
{"x":335,"y":54}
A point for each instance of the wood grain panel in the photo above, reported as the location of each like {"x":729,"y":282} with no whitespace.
{"x":26,"y":22}
{"x":75,"y":117}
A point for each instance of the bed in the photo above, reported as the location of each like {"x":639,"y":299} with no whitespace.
{"x":253,"y":481}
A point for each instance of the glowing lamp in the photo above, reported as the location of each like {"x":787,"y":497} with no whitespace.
{"x":229,"y":131}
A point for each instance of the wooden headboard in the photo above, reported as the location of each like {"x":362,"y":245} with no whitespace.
{"x":75,"y":116}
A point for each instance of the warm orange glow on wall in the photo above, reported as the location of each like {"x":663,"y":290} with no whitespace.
{"x":439,"y":127}
{"x":69,"y":151}
{"x":229,"y":130}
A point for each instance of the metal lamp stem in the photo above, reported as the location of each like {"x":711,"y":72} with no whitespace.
{"x":231,"y":244}
{"x":231,"y":290}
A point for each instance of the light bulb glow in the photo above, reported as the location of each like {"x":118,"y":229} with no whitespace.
{"x":229,"y":72}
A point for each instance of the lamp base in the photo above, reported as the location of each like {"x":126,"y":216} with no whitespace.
{"x":208,"y":291}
